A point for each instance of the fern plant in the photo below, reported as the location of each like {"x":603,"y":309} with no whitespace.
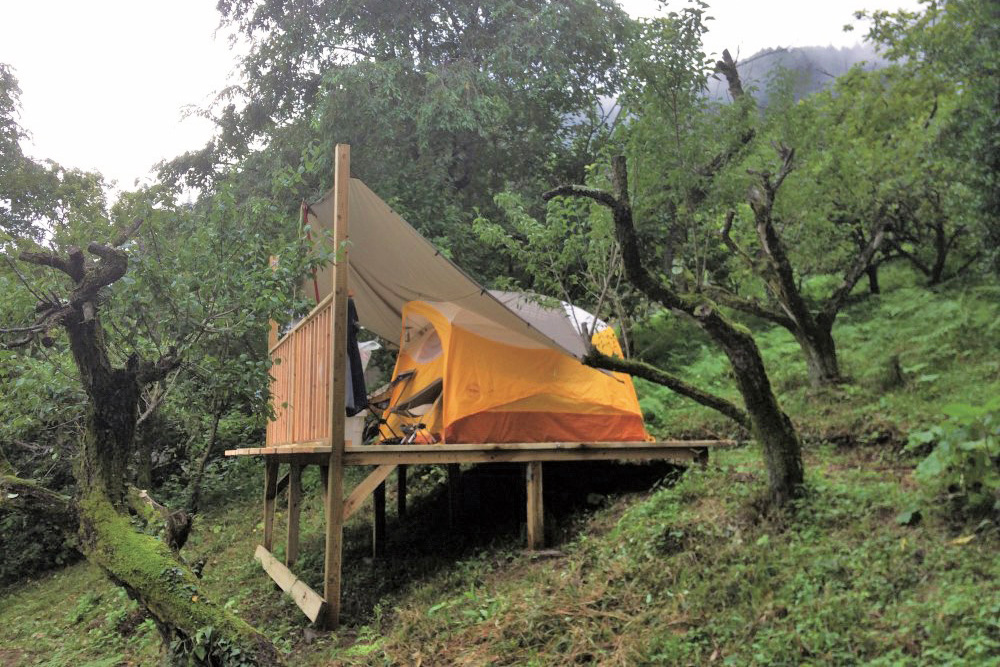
{"x":964,"y":465}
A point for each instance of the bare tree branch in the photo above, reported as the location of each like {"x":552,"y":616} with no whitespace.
{"x":747,"y":305}
{"x":127,"y":233}
{"x":600,"y":196}
{"x":596,"y":359}
{"x":854,"y":273}
{"x":727,"y":67}
{"x":731,"y":244}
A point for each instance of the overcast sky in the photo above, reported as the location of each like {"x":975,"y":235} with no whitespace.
{"x":105,"y":82}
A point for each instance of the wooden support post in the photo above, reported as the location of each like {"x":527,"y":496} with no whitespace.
{"x":294,"y":505}
{"x":401,"y":491}
{"x":454,"y":493}
{"x":270,"y":493}
{"x":378,"y":524}
{"x":338,"y":352}
{"x":536,"y":515}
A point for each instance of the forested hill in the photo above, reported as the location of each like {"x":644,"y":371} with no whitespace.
{"x":810,"y":68}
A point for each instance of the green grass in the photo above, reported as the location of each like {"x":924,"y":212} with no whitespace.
{"x":74,"y":618}
{"x":946,"y":341}
{"x":693,"y":571}
{"x":693,"y":574}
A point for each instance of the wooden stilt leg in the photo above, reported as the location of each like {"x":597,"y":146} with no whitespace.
{"x":334,"y":543}
{"x":270,"y":493}
{"x":454,"y":493}
{"x":401,"y":491}
{"x":294,"y":505}
{"x":378,"y":524}
{"x":536,"y":516}
{"x":332,"y":561}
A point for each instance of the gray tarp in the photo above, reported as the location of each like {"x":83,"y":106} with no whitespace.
{"x":392,"y":264}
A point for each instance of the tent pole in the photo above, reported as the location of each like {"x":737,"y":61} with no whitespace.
{"x":338,"y":350}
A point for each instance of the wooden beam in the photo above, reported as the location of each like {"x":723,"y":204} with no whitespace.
{"x":401,"y":491}
{"x":678,"y":450}
{"x":311,"y":604}
{"x":294,"y":507}
{"x":365,"y":488}
{"x":270,"y":493}
{"x":338,"y":352}
{"x":379,"y":456}
{"x":536,"y":512}
{"x":378,"y":522}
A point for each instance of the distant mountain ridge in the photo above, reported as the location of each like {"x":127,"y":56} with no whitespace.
{"x":815,"y":66}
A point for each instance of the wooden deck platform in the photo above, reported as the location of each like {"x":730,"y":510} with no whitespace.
{"x":684,"y":451}
{"x":395,"y":458}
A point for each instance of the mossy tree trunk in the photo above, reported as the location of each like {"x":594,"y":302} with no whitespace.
{"x":144,"y":565}
{"x":769,"y":424}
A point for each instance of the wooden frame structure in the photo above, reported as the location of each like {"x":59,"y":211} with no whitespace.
{"x":311,"y":371}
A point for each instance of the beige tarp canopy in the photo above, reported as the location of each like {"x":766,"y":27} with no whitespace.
{"x":391,"y":264}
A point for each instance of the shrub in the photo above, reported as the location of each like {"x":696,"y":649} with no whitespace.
{"x":963,"y":467}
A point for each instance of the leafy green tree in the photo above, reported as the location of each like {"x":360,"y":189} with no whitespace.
{"x":703,"y":165}
{"x":446,"y":102}
{"x":770,"y":426}
{"x":950,"y":48}
{"x":172,"y":296}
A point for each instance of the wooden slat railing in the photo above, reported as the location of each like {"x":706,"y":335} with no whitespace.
{"x":300,"y":381}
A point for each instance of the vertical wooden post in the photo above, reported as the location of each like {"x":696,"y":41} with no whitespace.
{"x":401,"y":491}
{"x":378,"y":523}
{"x":536,"y":516}
{"x":294,"y":505}
{"x":454,"y":493}
{"x":338,"y":387}
{"x":270,"y":493}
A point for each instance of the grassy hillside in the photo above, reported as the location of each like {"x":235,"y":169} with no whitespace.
{"x":649,"y":565}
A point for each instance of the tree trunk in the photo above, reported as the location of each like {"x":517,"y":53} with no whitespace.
{"x":821,"y":354}
{"x":769,"y":424}
{"x":142,"y":564}
{"x":198,"y":476}
{"x":873,"y":286}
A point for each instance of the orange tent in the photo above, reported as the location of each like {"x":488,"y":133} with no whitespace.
{"x":470,"y":381}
